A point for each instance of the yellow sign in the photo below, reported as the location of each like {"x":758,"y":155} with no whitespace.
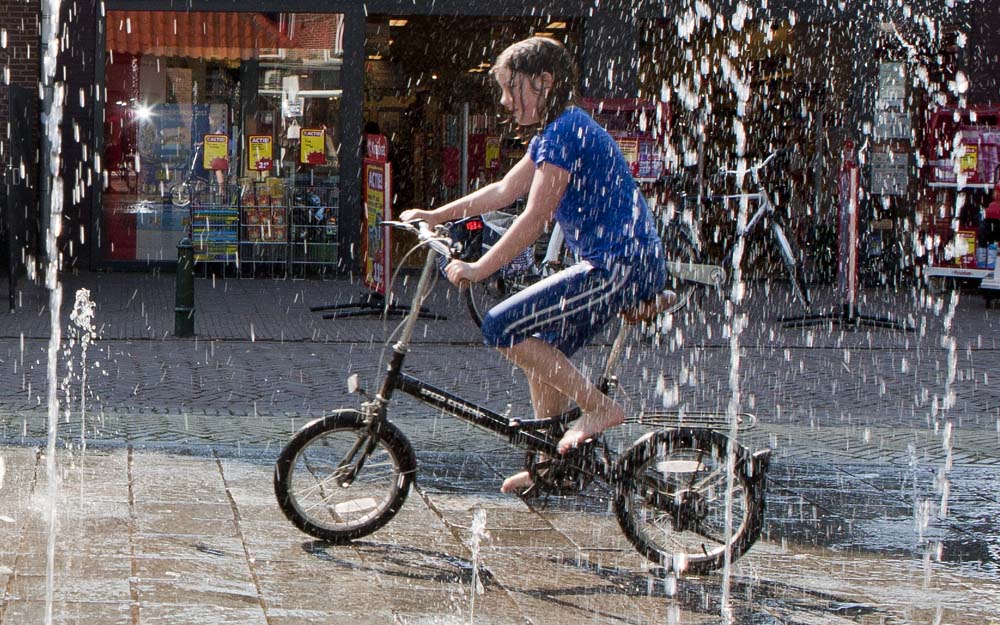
{"x":968,"y":162}
{"x":492,"y":152}
{"x":312,"y":147}
{"x":216,"y":152}
{"x":261,"y":152}
{"x":630,"y":150}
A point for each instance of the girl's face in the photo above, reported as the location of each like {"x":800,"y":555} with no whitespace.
{"x":520,"y":97}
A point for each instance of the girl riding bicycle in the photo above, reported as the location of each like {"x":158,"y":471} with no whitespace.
{"x":573,"y":172}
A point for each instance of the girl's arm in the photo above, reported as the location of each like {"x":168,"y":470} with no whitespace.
{"x":492,"y":197}
{"x":547,"y":189}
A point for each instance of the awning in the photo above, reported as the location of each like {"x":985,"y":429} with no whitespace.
{"x":194,"y":34}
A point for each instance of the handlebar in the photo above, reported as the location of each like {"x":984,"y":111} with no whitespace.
{"x":435,"y":238}
{"x":755,"y":168}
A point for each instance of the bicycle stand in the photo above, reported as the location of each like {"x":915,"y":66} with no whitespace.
{"x":371,"y":304}
{"x":848,"y":316}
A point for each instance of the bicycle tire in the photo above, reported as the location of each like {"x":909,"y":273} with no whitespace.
{"x":483,"y":295}
{"x":667,"y":467}
{"x":311,"y":461}
{"x":792,"y":260}
{"x":680,"y":251}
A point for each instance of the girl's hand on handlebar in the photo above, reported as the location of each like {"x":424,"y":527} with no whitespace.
{"x":416,"y":214}
{"x":461,"y":273}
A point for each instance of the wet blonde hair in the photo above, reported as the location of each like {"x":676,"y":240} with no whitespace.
{"x":531,"y":58}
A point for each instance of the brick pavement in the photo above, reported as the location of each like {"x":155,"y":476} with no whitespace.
{"x":855,"y":417}
{"x":260,"y":351}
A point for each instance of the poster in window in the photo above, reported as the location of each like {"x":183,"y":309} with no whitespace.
{"x":312,"y":147}
{"x":889,"y":173}
{"x":630,"y":150}
{"x":892,"y":120}
{"x":261,"y":152}
{"x":216,"y":152}
{"x":492,"y":153}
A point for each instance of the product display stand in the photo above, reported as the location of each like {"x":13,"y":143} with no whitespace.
{"x":371,"y":304}
{"x":847,"y":267}
{"x":847,"y":316}
{"x":377,"y":196}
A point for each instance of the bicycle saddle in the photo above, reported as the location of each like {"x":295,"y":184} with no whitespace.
{"x":649,"y":309}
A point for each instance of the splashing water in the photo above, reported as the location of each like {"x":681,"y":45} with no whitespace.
{"x":479,"y":534}
{"x":82,"y":332}
{"x":52,"y":117}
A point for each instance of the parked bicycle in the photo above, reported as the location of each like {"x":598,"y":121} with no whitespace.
{"x":345,"y":475}
{"x":765,"y":216}
{"x":191,"y":186}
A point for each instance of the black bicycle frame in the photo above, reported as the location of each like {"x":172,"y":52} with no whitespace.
{"x":534,"y":434}
{"x":522,"y":432}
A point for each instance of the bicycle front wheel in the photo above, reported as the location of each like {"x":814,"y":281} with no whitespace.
{"x":337,"y":481}
{"x":671,"y":500}
{"x":483,"y":295}
{"x":790,"y":256}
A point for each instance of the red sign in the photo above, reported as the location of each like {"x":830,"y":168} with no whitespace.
{"x":377,"y":148}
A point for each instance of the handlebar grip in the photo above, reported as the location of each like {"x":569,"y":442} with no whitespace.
{"x":440,"y":243}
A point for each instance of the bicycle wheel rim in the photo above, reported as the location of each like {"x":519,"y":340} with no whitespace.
{"x":314,"y":485}
{"x":666,"y":469}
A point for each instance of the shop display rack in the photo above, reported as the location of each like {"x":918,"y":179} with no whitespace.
{"x":313,"y":232}
{"x":266,"y":225}
{"x":215,"y":218}
{"x":263,"y":226}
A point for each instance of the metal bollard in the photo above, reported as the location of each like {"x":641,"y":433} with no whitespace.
{"x":184,"y":299}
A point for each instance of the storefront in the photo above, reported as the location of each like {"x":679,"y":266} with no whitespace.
{"x":225,"y":127}
{"x":242,"y":129}
{"x":282,"y":97}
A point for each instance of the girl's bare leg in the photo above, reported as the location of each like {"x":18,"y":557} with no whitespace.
{"x":549,"y":366}
{"x":546,"y":401}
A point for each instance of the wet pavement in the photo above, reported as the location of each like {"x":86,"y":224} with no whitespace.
{"x":168,"y":516}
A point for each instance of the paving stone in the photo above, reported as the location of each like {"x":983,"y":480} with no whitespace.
{"x":181,"y":436}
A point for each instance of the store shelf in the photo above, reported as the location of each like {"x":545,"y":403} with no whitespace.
{"x":263,"y":235}
{"x":215,"y":221}
{"x":957,"y":272}
{"x":314,"y":227}
{"x":268,"y":225}
{"x":964,"y":187}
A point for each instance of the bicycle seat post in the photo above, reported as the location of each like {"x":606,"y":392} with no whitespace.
{"x":608,"y":378}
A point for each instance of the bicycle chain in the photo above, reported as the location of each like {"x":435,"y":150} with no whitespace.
{"x":567,"y":474}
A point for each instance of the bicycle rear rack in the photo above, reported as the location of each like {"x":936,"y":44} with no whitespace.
{"x":695,"y":420}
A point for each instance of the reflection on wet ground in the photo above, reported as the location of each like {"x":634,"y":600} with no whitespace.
{"x":843,"y":544}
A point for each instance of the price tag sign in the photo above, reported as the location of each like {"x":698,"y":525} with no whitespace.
{"x":216,"y":152}
{"x":261,"y":150}
{"x":312,"y":147}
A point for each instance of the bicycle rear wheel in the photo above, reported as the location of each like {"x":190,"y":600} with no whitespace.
{"x":483,"y":295}
{"x":671,"y":499}
{"x":336,"y":481}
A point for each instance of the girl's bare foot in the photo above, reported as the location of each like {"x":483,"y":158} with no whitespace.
{"x":517,"y":483}
{"x":587,"y":426}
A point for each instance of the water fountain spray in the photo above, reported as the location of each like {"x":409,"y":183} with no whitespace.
{"x":52,"y":119}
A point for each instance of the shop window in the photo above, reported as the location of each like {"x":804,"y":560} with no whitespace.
{"x":221,"y":126}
